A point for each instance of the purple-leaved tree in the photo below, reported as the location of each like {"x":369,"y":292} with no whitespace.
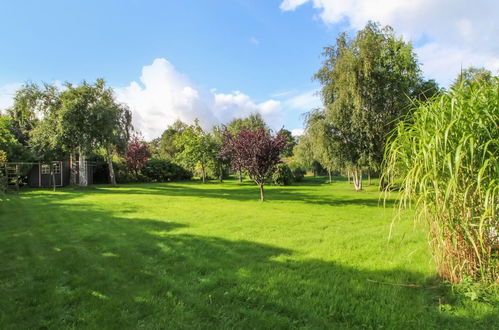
{"x":256,"y":151}
{"x":137,"y":155}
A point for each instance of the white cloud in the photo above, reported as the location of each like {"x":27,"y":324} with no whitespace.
{"x":165,"y":95}
{"x":254,"y":41}
{"x":467,"y":31}
{"x":7,"y":95}
{"x":291,"y":4}
{"x":305,"y":101}
{"x":297,"y":131}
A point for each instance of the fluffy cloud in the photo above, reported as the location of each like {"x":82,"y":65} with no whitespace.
{"x":165,"y":95}
{"x":450,"y":33}
{"x":297,"y":131}
{"x":304,"y":102}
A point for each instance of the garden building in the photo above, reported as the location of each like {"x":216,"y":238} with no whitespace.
{"x":43,"y":174}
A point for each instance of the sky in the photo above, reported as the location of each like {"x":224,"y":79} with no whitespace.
{"x":216,"y":60}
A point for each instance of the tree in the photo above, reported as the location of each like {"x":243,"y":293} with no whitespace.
{"x":198,"y":148}
{"x":471,"y":75}
{"x":290,"y":143}
{"x":90,"y":118}
{"x":221,"y":160}
{"x":75,"y":125}
{"x":14,"y":150}
{"x":426,"y":90}
{"x":137,"y":155}
{"x":28,"y":105}
{"x":257,"y":151}
{"x":366,"y":83}
{"x":34,"y":105}
{"x":303,"y":151}
{"x":323,"y":146}
{"x":167,"y":148}
{"x":113,"y":125}
{"x":252,"y":122}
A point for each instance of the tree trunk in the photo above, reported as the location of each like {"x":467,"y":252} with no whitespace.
{"x":82,"y":169}
{"x":369,"y":176}
{"x":112,"y":177}
{"x":72,"y":169}
{"x":52,"y":175}
{"x":357,"y":179}
{"x":203,"y":174}
{"x":240,"y":176}
{"x":262,"y":194}
{"x":220,"y":173}
{"x":348,"y":176}
{"x":382,"y":183}
{"x":329,"y":173}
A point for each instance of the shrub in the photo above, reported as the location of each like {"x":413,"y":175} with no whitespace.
{"x":298,"y":174}
{"x":297,"y":170}
{"x":447,"y":158}
{"x":121,"y":172}
{"x":162,"y":170}
{"x":282,"y":175}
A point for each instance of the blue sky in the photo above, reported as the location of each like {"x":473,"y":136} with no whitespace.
{"x":225,"y":58}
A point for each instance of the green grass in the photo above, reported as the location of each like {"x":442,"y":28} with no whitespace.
{"x":188,"y":255}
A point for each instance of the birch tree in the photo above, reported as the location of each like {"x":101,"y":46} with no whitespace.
{"x":367,"y":84}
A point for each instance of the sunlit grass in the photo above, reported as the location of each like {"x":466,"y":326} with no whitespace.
{"x":188,"y":255}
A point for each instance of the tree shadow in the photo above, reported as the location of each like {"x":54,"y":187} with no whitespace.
{"x":93,"y":269}
{"x":234,"y":192}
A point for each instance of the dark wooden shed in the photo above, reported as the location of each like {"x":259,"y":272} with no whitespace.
{"x":42,"y":174}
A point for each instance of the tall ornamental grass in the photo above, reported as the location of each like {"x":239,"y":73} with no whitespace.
{"x":445,"y":160}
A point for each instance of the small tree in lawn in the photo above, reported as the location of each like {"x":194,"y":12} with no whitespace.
{"x":198,"y":148}
{"x":256,"y":151}
{"x":137,"y":155}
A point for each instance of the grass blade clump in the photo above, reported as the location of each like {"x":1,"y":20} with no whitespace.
{"x":445,"y":158}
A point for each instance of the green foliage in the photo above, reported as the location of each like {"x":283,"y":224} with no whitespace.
{"x":90,"y":118}
{"x":3,"y":179}
{"x":14,"y":151}
{"x":121,"y":171}
{"x":30,"y":101}
{"x":324,"y":144}
{"x":282,"y":175}
{"x":298,"y":172}
{"x":165,"y":146}
{"x":252,"y":122}
{"x":447,"y":157}
{"x":471,"y":75}
{"x":303,"y":153}
{"x":162,"y":170}
{"x":366,"y":83}
{"x":291,"y":142}
{"x":197,"y":148}
{"x":3,"y":159}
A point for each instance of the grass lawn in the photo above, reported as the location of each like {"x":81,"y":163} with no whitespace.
{"x":188,"y":255}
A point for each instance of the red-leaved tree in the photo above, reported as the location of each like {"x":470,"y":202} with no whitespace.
{"x":137,"y":154}
{"x":257,"y":151}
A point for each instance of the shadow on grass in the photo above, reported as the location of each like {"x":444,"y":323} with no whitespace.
{"x":86,"y":268}
{"x":246,"y":191}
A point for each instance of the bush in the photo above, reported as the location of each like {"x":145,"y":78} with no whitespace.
{"x":162,"y":170}
{"x":282,"y":175}
{"x":298,"y":174}
{"x":121,"y":172}
{"x":297,"y":170}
